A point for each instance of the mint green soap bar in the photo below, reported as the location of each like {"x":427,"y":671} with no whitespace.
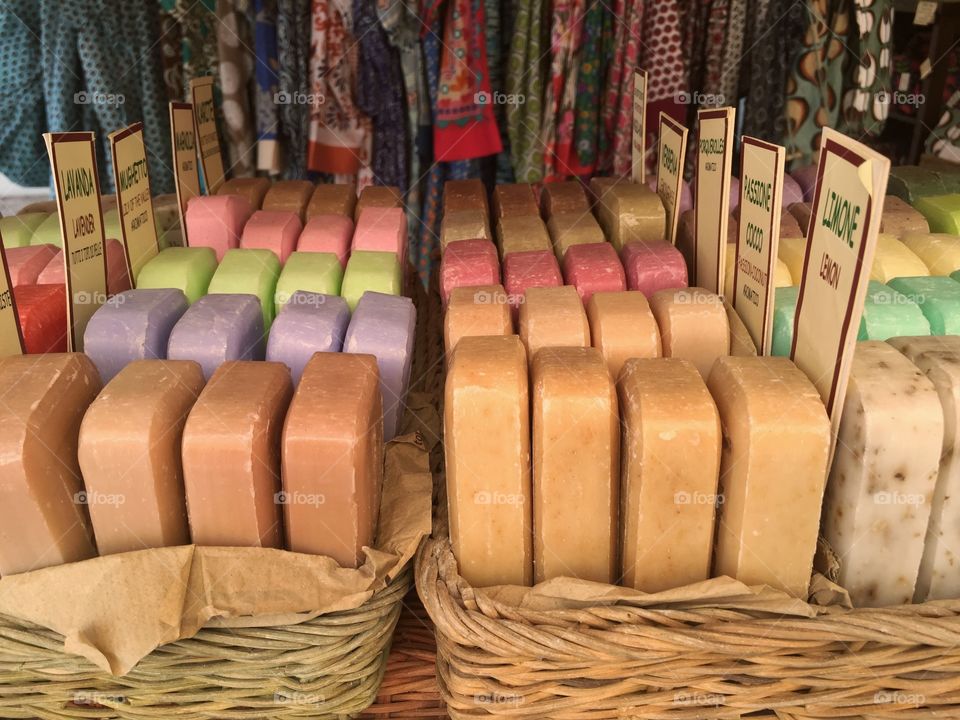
{"x":17,"y":230}
{"x":316,"y":272}
{"x":48,"y":232}
{"x":784,"y":312}
{"x":887,"y":314}
{"x":373,"y":271}
{"x":942,"y":212}
{"x":188,"y":269}
{"x":249,"y":271}
{"x":938,"y":298}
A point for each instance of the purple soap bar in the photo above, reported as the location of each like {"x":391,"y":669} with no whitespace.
{"x":308,"y":323}
{"x":466,"y":263}
{"x":134,"y":325}
{"x":216,"y":221}
{"x":218,"y":328}
{"x":686,"y":194}
{"x":594,"y":267}
{"x":383,"y":326}
{"x":327,"y":233}
{"x":653,"y":266}
{"x":806,"y":180}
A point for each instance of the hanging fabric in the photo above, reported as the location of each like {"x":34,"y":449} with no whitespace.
{"x":561,"y":90}
{"x":729,"y":87}
{"x":498,"y":19}
{"x":171,"y":49}
{"x":866,"y":101}
{"x":235,"y":66}
{"x":525,"y":84}
{"x":636,"y":11}
{"x":293,"y":51}
{"x":586,"y":130}
{"x":198,"y":49}
{"x":266,"y":72}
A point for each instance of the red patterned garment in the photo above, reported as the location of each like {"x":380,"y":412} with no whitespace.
{"x":623,"y":136}
{"x":559,"y":105}
{"x":609,"y":122}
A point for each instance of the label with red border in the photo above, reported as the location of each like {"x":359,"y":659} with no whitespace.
{"x":134,"y":200}
{"x":186,"y":177}
{"x":639,"y":173}
{"x":11,"y":339}
{"x":712,"y":210}
{"x":208,"y":137}
{"x":671,"y":156}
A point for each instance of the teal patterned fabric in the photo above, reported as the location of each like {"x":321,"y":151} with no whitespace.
{"x":525,"y":81}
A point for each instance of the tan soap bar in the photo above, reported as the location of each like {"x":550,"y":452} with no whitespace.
{"x":900,"y":218}
{"x":693,"y":325}
{"x":43,"y":519}
{"x":521,"y":233}
{"x":486,"y":430}
{"x":622,"y":326}
{"x":231,"y":456}
{"x":671,"y":463}
{"x":628,"y":212}
{"x":476,"y":312}
{"x":386,"y":196}
{"x":553,"y":317}
{"x":461,"y":195}
{"x":332,"y":199}
{"x":130,"y":455}
{"x":563,"y":197}
{"x":464,"y":225}
{"x":289,"y":196}
{"x":741,"y":343}
{"x":801,"y":213}
{"x":576,"y":228}
{"x":773,"y":467}
{"x":576,"y":466}
{"x":514,"y":199}
{"x":253,"y":189}
{"x":332,"y":458}
{"x":686,"y":225}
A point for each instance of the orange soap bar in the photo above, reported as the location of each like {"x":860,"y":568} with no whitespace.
{"x":553,"y":317}
{"x":693,"y":326}
{"x":476,"y":312}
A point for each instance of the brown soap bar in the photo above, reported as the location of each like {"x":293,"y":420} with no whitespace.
{"x":460,"y":195}
{"x":130,"y":455}
{"x":231,"y":455}
{"x":289,"y":196}
{"x":43,"y":520}
{"x":333,"y":458}
{"x":252,"y":189}
{"x":330,"y":199}
{"x":464,"y":225}
{"x":521,"y":233}
{"x":563,"y":197}
{"x":514,"y":199}
{"x":386,"y":196}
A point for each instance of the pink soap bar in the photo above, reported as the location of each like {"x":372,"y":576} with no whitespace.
{"x":26,"y":263}
{"x":523,"y":270}
{"x":382,"y":230}
{"x":653,"y":266}
{"x":686,"y":194}
{"x":467,"y":263}
{"x":806,"y":180}
{"x":275,"y":230}
{"x":118,"y":280}
{"x":593,"y":267}
{"x":327,"y":233}
{"x":734,"y":194}
{"x":216,"y":221}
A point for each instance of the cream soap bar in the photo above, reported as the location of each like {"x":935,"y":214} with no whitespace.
{"x":476,"y":312}
{"x":938,"y":251}
{"x":622,"y":326}
{"x":553,"y":317}
{"x":628,"y":211}
{"x":894,"y":259}
{"x":693,"y":326}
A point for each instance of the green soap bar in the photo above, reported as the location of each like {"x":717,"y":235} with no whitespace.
{"x":942,"y":213}
{"x":887,"y":314}
{"x":371,"y":270}
{"x":48,"y":232}
{"x":188,"y":269}
{"x":950,"y":179}
{"x":938,"y":298}
{"x":909,"y":182}
{"x":319,"y":272}
{"x":111,"y":225}
{"x":784,"y":312}
{"x":18,"y":229}
{"x":249,"y":271}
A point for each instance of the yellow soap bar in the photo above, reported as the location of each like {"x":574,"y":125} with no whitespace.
{"x":940,"y":252}
{"x":894,"y":259}
{"x":553,"y":317}
{"x":476,"y":312}
{"x":791,"y":252}
{"x":628,"y":211}
{"x":693,"y":325}
{"x":781,"y":273}
{"x":622,"y":326}
{"x":567,"y":229}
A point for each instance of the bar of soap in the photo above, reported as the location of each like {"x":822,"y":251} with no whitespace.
{"x":216,"y":221}
{"x":792,"y":192}
{"x":382,"y":230}
{"x":806,"y":178}
{"x":370,"y":271}
{"x":900,"y":219}
{"x":17,"y":230}
{"x":48,"y":231}
{"x":41,"y":206}
{"x":251,"y":189}
{"x":792,"y":252}
{"x":217,"y":328}
{"x":318,"y":272}
{"x":686,"y":193}
{"x":801,"y":213}
{"x":553,"y":317}
{"x":938,"y":251}
{"x":486,"y":424}
{"x":693,"y":326}
{"x":129,"y":452}
{"x":272,"y":230}
{"x":514,"y":200}
{"x":735,"y":193}
{"x":559,"y":198}
{"x":878,"y":499}
{"x":118,"y":280}
{"x":576,"y":466}
{"x":331,"y":199}
{"x":476,"y":312}
{"x":383,"y":196}
{"x":522,"y":233}
{"x":914,"y":347}
{"x":308,"y":323}
{"x":187,"y":269}
{"x":938,"y":298}
{"x":524,"y":270}
{"x":166,"y":212}
{"x":887,"y":313}
{"x":628,"y":211}
{"x":741,"y":342}
{"x":653,"y":266}
{"x":26,"y":263}
{"x":569,"y":229}
{"x":289,"y":196}
{"x":467,"y":263}
{"x":894,"y":259}
{"x":685,"y":237}
{"x":593,"y":268}
{"x":781,"y":272}
{"x":789,"y":227}
{"x":42,"y":313}
{"x":784,"y":317}
{"x":249,"y":272}
{"x":43,"y":517}
{"x":327,"y":234}
{"x":464,"y":225}
{"x":332,"y":458}
{"x":231,"y":456}
{"x":910,"y":183}
{"x":671,"y":463}
{"x":461,"y":195}
{"x":941,"y":211}
{"x":773,"y":468}
{"x":383,"y":326}
{"x":622,"y":326}
{"x":134,"y":325}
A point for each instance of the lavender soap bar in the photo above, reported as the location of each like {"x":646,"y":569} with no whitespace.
{"x":218,"y":328}
{"x":308,"y":323}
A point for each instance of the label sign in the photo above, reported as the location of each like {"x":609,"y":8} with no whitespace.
{"x":184,"y":143}
{"x":841,"y":240}
{"x":11,"y":339}
{"x":712,"y":211}
{"x":761,"y":187}
{"x":74,"y":164}
{"x":639,"y":173}
{"x":670,"y":160}
{"x":133,"y":197}
{"x":205,"y":123}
